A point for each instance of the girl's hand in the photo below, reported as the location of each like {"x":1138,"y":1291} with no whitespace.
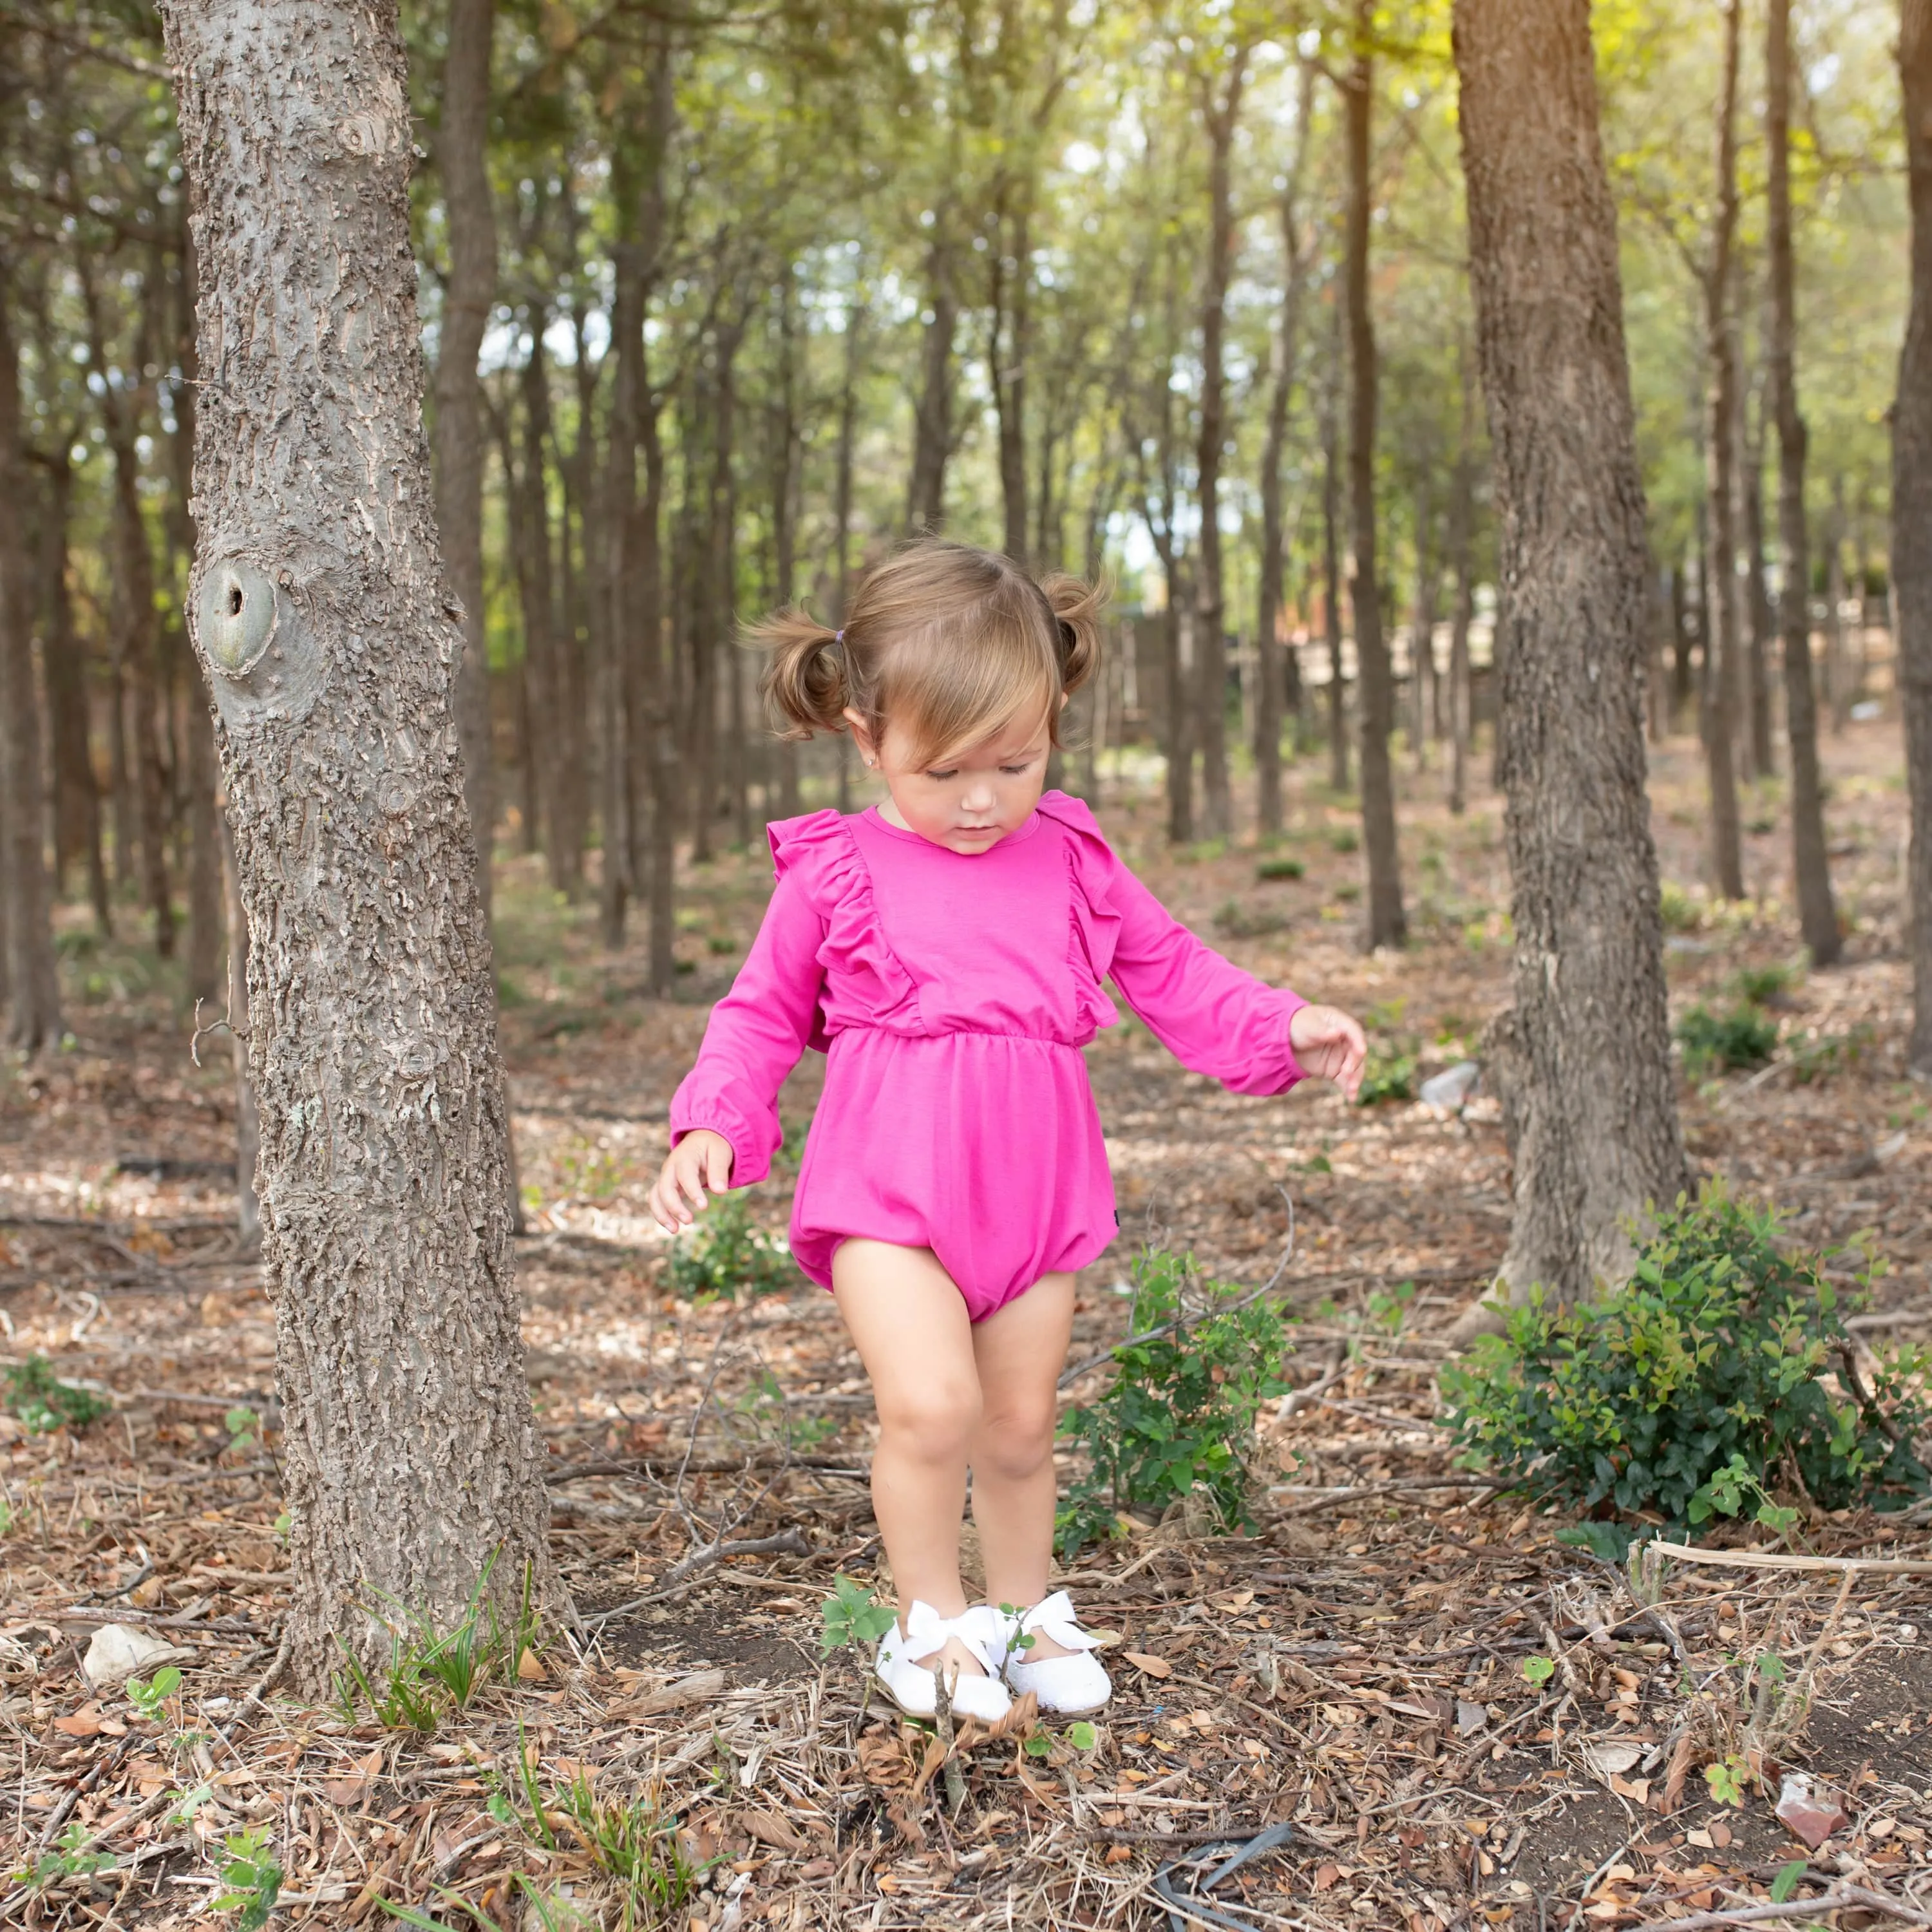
{"x":701,"y":1159}
{"x":1329,"y":1043}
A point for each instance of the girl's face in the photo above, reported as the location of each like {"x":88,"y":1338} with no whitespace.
{"x":972,"y":801}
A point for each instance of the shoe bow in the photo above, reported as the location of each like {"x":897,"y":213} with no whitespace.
{"x":926,"y":1631}
{"x":1053,"y":1618}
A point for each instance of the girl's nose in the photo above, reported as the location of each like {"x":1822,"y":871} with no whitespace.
{"x":979,"y":797}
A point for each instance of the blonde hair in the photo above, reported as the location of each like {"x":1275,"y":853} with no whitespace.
{"x":953,"y":644}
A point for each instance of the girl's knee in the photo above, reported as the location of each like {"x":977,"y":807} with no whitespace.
{"x":1016,"y":1444}
{"x":939,"y":1420}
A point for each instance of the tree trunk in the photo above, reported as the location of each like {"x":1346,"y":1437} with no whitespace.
{"x":1818,"y":917}
{"x":247,"y":1120}
{"x":618,"y":681}
{"x":932,"y":423}
{"x":1211,"y":656}
{"x":784,"y":439}
{"x":1422,"y":635}
{"x":1720,"y":733}
{"x":1584,"y":1058}
{"x":139,"y":813}
{"x":1012,"y":274}
{"x":320,"y":612}
{"x":469,"y":294}
{"x":1386,"y":924}
{"x":76,"y":790}
{"x":1275,"y":668}
{"x":1763,"y":623}
{"x":1331,"y":565}
{"x":32,"y":987}
{"x":1837,"y":684}
{"x":1912,"y":513}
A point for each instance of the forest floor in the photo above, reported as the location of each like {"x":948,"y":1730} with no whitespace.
{"x":1354,"y":1668}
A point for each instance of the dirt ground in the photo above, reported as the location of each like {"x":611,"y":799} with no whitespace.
{"x":1353,"y":1671}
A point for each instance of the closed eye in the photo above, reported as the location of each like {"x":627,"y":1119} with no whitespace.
{"x":942,"y":776}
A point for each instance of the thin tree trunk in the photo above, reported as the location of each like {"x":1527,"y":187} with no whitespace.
{"x":320,"y":611}
{"x":1763,"y":620}
{"x":1211,"y":656}
{"x":619,"y":684}
{"x":1583,"y":1060}
{"x":1911,"y":513}
{"x":469,"y":294}
{"x":1331,"y":565}
{"x":1012,"y":275}
{"x":1682,"y":686}
{"x":932,"y":423}
{"x":247,"y":1120}
{"x":1278,"y":683}
{"x":77,"y":829}
{"x":1837,"y":684}
{"x":1386,"y":924}
{"x":784,"y":486}
{"x":139,"y":805}
{"x":1818,"y":916}
{"x":1422,"y":636}
{"x":1720,"y":416}
{"x":32,"y":985}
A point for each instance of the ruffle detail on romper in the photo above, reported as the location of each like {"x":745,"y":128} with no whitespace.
{"x":1096,"y":930}
{"x":822,"y":848}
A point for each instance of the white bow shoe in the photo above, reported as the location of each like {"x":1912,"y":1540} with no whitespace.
{"x":1068,"y":1684}
{"x":913,"y":1686}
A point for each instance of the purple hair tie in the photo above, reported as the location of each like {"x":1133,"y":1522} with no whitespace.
{"x":838,"y":637}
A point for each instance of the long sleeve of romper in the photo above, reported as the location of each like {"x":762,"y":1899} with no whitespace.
{"x":1212,"y":1016}
{"x":756,"y":1035}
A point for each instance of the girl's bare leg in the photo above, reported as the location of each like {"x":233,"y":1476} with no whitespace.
{"x":907,"y":1319}
{"x":1020,"y":1350}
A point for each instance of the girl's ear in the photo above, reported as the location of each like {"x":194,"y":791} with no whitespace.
{"x":862,"y":735}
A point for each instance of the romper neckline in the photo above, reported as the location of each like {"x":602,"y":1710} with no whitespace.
{"x":874,"y":817}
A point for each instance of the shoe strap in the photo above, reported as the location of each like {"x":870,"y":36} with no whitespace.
{"x":1053,"y":1617}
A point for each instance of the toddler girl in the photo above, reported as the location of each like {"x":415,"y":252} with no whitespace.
{"x":946,"y":951}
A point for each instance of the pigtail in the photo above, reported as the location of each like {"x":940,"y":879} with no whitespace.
{"x":1076,"y":608}
{"x":806,"y":685}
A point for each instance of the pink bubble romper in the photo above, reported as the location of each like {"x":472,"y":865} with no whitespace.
{"x":951,"y":993}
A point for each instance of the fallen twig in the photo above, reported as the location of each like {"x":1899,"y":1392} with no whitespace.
{"x":1768,"y":1559}
{"x":1835,"y":1900}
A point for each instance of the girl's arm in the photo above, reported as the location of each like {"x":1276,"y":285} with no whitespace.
{"x":1212,"y":1016}
{"x":756,"y":1035}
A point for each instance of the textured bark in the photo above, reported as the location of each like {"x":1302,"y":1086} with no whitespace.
{"x":1584,"y":1056}
{"x":1278,"y":670}
{"x":207,"y":914}
{"x":1386,"y":924}
{"x":1811,"y":865}
{"x":1331,"y":569}
{"x":1912,"y":512}
{"x":1721,"y":719}
{"x":1211,"y":656}
{"x":932,"y":421}
{"x":468,"y":296}
{"x":1763,"y":763}
{"x":322,"y":618}
{"x":33,"y":991}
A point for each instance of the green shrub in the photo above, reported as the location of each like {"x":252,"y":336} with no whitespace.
{"x":728,"y":1251}
{"x":1696,"y":1387}
{"x":1179,"y":1417}
{"x":1759,"y":986}
{"x":1681,"y":911}
{"x":44,"y":1403}
{"x":1746,"y":1036}
{"x":1279,"y":868}
{"x":1344,"y":838}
